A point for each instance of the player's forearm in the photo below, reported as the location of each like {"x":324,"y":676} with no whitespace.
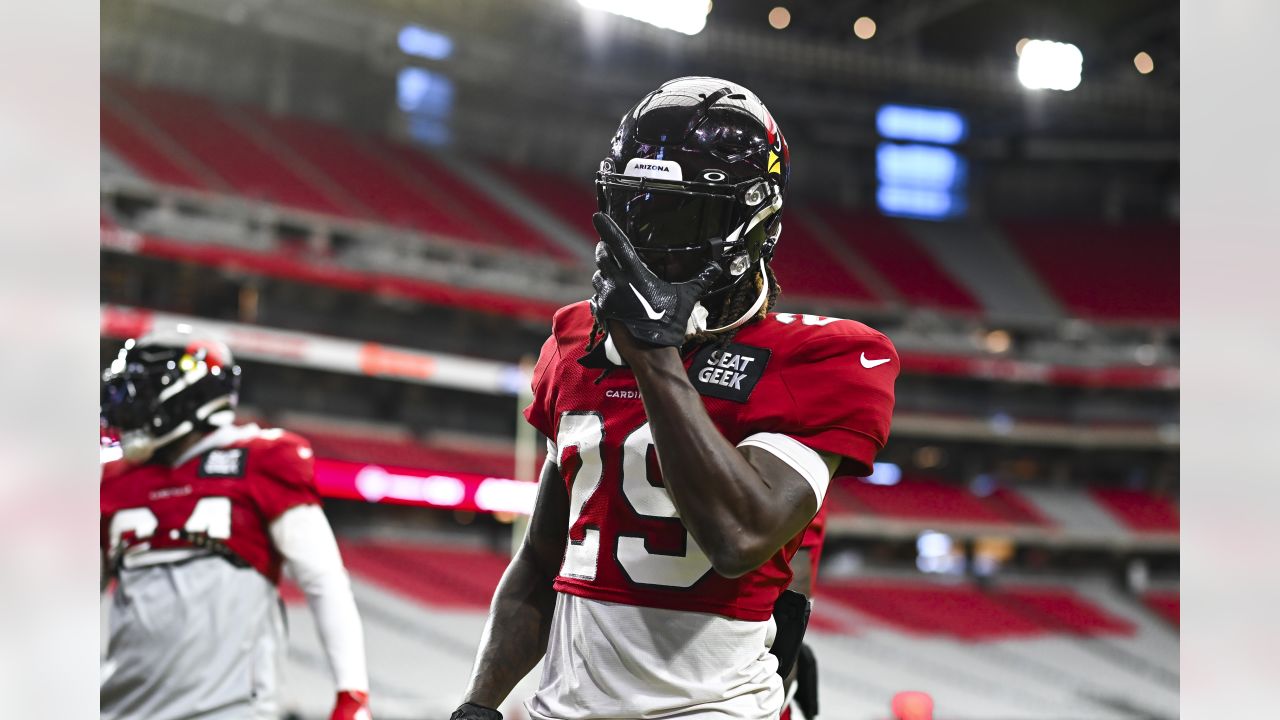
{"x":515,"y":635}
{"x":722,"y":499}
{"x":303,"y":536}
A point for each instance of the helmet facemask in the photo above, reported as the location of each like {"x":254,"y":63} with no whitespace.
{"x":678,"y":227}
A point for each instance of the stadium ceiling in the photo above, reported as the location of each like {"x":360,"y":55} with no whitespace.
{"x":1108,"y":32}
{"x":567,"y":72}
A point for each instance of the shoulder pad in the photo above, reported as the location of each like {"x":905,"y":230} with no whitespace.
{"x":572,"y":323}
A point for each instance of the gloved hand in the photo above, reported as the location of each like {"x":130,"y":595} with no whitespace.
{"x":652,"y":310}
{"x":912,"y":705}
{"x":351,"y":705}
{"x":472,"y":711}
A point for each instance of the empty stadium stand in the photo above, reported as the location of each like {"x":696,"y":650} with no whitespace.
{"x":225,"y":147}
{"x":490,"y":220}
{"x":1166,"y":604}
{"x":927,"y":499}
{"x":1033,"y":651}
{"x":896,"y":256}
{"x":805,"y":267}
{"x":1042,"y":271}
{"x":1139,"y":511}
{"x":982,"y":260}
{"x":192,"y":142}
{"x":968,"y":613}
{"x":570,"y":199}
{"x":362,"y":174}
{"x":409,"y":453}
{"x":443,"y":577}
{"x":136,"y":145}
{"x":1104,"y":272}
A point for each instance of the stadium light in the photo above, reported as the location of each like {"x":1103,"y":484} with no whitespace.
{"x":922,"y":124}
{"x":936,"y":553}
{"x":884,"y":473}
{"x":427,"y":99}
{"x":419,"y":90}
{"x":909,"y":202}
{"x":1048,"y":65}
{"x":779,"y":18}
{"x":683,"y":16}
{"x":421,"y":42}
{"x":1143,"y":62}
{"x":864,"y":28}
{"x":920,"y":166}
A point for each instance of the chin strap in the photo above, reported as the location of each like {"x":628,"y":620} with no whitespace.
{"x":701,"y":317}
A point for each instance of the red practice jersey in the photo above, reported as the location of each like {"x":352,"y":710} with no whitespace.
{"x":826,"y":382}
{"x":225,"y":497}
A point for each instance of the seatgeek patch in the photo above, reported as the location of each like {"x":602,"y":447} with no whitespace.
{"x":226,"y":463}
{"x":729,"y":374}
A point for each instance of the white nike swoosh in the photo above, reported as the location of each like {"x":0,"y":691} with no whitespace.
{"x":872,"y":363}
{"x":648,"y":309}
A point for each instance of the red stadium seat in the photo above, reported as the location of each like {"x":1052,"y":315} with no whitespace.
{"x":1105,"y":272}
{"x":247,"y":164}
{"x":348,"y":162}
{"x":407,"y":453}
{"x":1137,"y":510}
{"x":493,"y":223}
{"x":572,"y":200}
{"x":805,"y":267}
{"x":1166,"y":604}
{"x":143,"y":155}
{"x":1063,"y":611}
{"x":439,"y":576}
{"x":969,"y":613}
{"x":897,"y":257}
{"x":926,"y":499}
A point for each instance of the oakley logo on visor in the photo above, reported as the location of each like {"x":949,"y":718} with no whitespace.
{"x":656,"y":169}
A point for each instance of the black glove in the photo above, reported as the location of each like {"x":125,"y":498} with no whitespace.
{"x":653,"y":310}
{"x":472,"y":711}
{"x":791,"y":618}
{"x":807,"y":682}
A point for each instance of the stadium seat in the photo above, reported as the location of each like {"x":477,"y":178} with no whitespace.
{"x":438,"y":576}
{"x":899,"y":259}
{"x":346,"y":159}
{"x":916,"y":498}
{"x":245,"y":163}
{"x":1166,"y":604}
{"x":408,"y":453}
{"x":493,"y":223}
{"x":570,"y":199}
{"x":1137,"y":510}
{"x":143,"y":155}
{"x":805,"y":267}
{"x":969,"y":613}
{"x":1127,"y":272}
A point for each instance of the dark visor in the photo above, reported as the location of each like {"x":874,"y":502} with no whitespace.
{"x":126,"y":404}
{"x":667,"y":219}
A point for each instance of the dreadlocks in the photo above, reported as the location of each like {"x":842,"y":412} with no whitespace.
{"x":735,"y":304}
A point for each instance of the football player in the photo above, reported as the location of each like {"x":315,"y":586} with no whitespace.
{"x":197,"y":519}
{"x":691,"y":433}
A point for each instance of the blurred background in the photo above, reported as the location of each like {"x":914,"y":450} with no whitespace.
{"x":380,"y":204}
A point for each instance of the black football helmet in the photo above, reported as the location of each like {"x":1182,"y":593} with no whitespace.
{"x":166,"y":385}
{"x":697,"y":171}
